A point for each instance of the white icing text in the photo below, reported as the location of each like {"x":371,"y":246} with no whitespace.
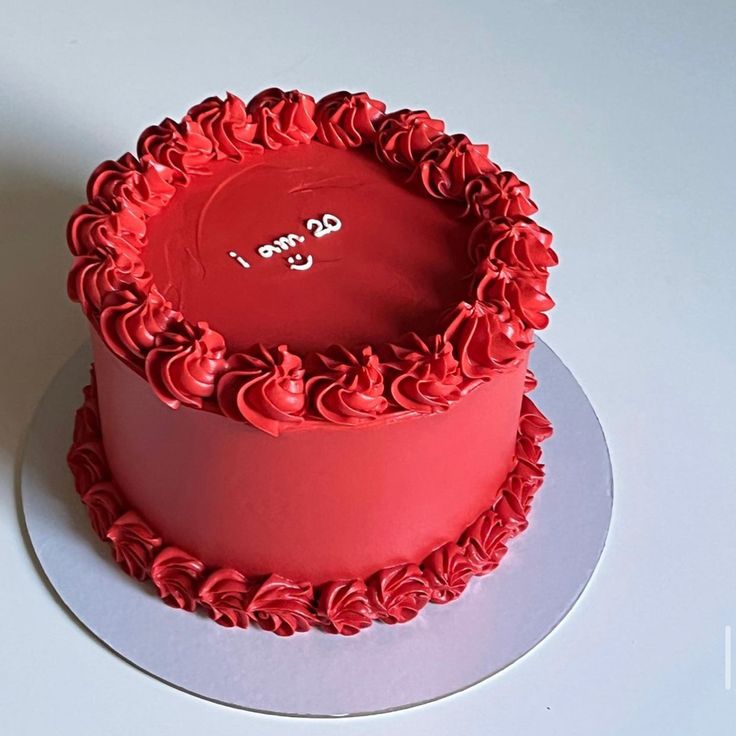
{"x":318,"y":227}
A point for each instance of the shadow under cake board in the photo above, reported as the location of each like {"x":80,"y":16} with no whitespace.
{"x":447,"y":648}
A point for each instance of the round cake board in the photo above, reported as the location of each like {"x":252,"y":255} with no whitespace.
{"x":447,"y":648}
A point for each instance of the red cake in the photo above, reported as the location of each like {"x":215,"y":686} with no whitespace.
{"x":311,"y":323}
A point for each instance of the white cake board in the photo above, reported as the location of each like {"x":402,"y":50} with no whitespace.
{"x":447,"y":648}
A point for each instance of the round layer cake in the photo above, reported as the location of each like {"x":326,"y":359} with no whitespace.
{"x":311,"y":323}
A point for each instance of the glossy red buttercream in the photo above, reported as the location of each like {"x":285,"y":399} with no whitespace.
{"x":317,"y":504}
{"x":396,"y":263}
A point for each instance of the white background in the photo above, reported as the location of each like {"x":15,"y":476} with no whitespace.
{"x":622,"y":117}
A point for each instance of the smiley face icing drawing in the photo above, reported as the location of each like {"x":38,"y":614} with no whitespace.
{"x":299,"y":263}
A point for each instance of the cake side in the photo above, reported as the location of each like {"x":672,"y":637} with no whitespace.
{"x":326,"y":504}
{"x":285,"y":606}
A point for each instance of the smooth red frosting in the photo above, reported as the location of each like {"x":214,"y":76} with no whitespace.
{"x":368,"y":282}
{"x":336,"y":502}
{"x":287,"y":605}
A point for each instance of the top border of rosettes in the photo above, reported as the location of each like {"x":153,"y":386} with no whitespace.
{"x":271,"y":387}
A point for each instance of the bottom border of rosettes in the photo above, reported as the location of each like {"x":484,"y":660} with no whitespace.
{"x":282,"y":606}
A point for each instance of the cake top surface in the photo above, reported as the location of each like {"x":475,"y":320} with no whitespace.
{"x":308,"y":245}
{"x":287,"y":263}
